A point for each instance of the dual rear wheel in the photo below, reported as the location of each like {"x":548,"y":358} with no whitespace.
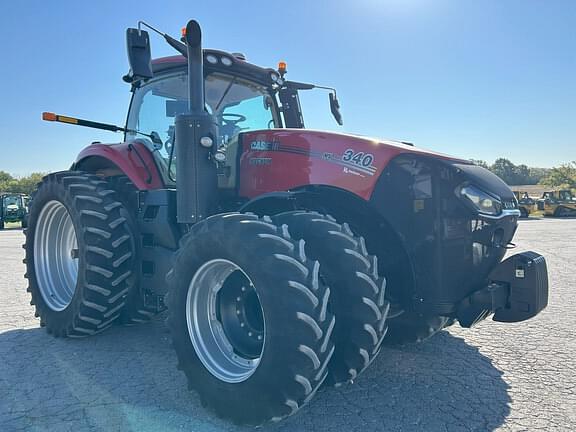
{"x":79,"y":254}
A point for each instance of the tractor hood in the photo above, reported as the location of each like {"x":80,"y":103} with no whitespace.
{"x":283,"y":159}
{"x":334,"y":144}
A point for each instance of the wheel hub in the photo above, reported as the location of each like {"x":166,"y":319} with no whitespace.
{"x":225,"y":320}
{"x":56,"y":256}
{"x":240,"y":313}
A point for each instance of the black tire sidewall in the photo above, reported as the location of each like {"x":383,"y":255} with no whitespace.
{"x":263,"y":394}
{"x":55,"y":191}
{"x":256,"y":390}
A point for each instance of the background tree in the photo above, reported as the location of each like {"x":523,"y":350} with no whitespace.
{"x":5,"y":177}
{"x":505,"y":169}
{"x":24,"y":185}
{"x":563,"y":177}
{"x":479,"y":162}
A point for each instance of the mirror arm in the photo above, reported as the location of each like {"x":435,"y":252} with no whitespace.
{"x":177,"y":45}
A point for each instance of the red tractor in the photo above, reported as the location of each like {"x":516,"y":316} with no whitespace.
{"x":285,"y":257}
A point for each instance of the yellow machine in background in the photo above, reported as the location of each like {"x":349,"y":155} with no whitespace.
{"x":557,"y":203}
{"x":525,"y":203}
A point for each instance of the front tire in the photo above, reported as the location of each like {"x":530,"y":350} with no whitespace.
{"x":272,"y":365}
{"x":358,"y":298}
{"x":79,"y":253}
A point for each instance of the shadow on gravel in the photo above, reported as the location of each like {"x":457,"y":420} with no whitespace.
{"x":125,"y":379}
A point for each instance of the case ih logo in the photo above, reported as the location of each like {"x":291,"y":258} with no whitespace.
{"x":261,"y":161}
{"x":261,"y":145}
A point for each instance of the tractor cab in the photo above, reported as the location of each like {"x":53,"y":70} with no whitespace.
{"x":13,"y":208}
{"x":566,"y":195}
{"x":240,"y":97}
{"x":559,"y":196}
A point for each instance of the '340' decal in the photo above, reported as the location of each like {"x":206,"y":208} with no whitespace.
{"x":358,"y":158}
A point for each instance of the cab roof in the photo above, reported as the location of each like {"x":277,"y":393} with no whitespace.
{"x":218,"y":61}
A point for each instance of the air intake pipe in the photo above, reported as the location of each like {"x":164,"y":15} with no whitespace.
{"x":196,"y":136}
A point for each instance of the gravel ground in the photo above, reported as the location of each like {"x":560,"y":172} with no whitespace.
{"x":505,"y":377}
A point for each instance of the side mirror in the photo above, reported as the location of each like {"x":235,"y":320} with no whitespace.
{"x":335,"y":108}
{"x":139,"y":57}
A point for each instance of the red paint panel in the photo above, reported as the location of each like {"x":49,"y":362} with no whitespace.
{"x":283,"y":159}
{"x":128,"y":162}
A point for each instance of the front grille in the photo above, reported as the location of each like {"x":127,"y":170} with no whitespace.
{"x":509,"y":205}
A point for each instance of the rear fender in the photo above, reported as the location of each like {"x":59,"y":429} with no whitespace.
{"x":131,"y":159}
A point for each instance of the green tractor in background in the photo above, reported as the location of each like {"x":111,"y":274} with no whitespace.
{"x":14,"y":208}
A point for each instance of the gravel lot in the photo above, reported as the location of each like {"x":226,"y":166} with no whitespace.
{"x":515,"y":377}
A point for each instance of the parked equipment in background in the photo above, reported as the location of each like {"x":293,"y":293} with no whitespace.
{"x":525,"y":203}
{"x":286,"y":257}
{"x":13,"y":208}
{"x":557,"y":203}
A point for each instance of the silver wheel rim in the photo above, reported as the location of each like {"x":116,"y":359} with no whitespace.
{"x":208,"y":331}
{"x":56,"y":256}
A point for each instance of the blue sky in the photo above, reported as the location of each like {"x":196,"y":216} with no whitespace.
{"x":476,"y":79}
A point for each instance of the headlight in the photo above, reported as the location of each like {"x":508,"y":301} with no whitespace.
{"x":482,"y":201}
{"x":212,"y":59}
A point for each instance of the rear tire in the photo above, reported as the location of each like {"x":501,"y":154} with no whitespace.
{"x":296,"y":347}
{"x":358,"y":291}
{"x":135,"y":311}
{"x":79,"y":254}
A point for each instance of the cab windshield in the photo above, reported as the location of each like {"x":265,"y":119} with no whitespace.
{"x":11,"y":200}
{"x":237,"y":104}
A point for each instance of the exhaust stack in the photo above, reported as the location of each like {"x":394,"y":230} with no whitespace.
{"x":193,"y":39}
{"x":196,"y":136}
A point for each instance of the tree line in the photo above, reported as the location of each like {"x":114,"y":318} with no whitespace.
{"x":563,"y":176}
{"x":25,"y":185}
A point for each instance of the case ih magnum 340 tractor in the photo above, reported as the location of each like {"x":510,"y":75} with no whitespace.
{"x":285,"y":257}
